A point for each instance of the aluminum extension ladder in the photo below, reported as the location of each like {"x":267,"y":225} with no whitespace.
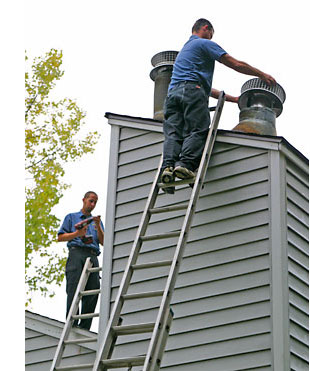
{"x":64,"y":339}
{"x":159,"y":329}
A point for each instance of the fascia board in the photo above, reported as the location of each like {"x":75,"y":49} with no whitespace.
{"x":300,"y":161}
{"x":225,"y":136}
{"x":44,"y":325}
{"x":135,"y":122}
{"x":248,"y":141}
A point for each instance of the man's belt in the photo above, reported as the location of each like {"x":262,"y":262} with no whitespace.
{"x":185,"y":82}
{"x":190,"y":82}
{"x":86,"y":249}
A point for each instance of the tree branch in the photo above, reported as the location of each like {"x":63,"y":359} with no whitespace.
{"x":42,"y":159}
{"x":30,"y":105}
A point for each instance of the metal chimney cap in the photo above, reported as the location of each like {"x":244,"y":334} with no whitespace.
{"x":164,"y":58}
{"x":257,"y":88}
{"x":162,"y":61}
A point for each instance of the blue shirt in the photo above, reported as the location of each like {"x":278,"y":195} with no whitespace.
{"x":68,"y":227}
{"x":195,"y":62}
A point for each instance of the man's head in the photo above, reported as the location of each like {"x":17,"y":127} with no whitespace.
{"x":203,"y":28}
{"x":89,"y":202}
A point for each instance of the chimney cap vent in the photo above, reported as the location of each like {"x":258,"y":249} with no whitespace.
{"x":257,"y":92}
{"x":164,"y":58}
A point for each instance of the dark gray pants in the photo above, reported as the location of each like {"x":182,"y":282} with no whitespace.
{"x":74,"y":267}
{"x":186,"y":124}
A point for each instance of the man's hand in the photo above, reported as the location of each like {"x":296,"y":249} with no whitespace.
{"x":97,"y":220}
{"x":81,"y":232}
{"x":98,"y":228}
{"x":70,"y":236}
{"x":269,"y":80}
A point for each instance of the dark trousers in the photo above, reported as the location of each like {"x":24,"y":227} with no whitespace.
{"x":186,"y":124}
{"x":74,"y":267}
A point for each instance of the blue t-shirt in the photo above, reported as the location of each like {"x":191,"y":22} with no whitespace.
{"x":68,"y":227}
{"x":195,"y":62}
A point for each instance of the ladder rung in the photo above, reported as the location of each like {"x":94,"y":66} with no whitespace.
{"x":123,"y":362}
{"x":75,"y":367}
{"x":95,"y":269}
{"x":160,"y":236}
{"x":162,"y":263}
{"x":81,"y":340}
{"x":85,"y":316}
{"x":90,"y":292}
{"x":168,"y":209}
{"x":133,"y":329}
{"x":142,"y":295}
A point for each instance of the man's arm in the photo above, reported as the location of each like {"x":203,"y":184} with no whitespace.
{"x":70,"y":236}
{"x":229,"y":98}
{"x":246,"y":69}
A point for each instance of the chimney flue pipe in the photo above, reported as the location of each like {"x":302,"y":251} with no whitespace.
{"x":259,"y":105}
{"x":161,"y":75}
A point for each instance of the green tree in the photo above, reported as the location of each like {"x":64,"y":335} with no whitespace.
{"x":52,"y":138}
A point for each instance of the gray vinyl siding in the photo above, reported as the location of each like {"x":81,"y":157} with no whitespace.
{"x":40,"y":351}
{"x":298,"y":265}
{"x":41,"y":339}
{"x":221,"y":302}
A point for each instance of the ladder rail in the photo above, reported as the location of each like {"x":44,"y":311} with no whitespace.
{"x":150,"y":362}
{"x":73,"y":309}
{"x":162,"y":339}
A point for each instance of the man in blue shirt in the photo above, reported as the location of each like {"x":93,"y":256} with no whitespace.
{"x":79,"y":250}
{"x":186,"y":111}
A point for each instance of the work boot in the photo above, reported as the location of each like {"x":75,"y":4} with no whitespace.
{"x":183,"y":173}
{"x":167,"y":176}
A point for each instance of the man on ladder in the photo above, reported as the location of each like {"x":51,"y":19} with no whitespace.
{"x":186,"y":110}
{"x":79,"y":251}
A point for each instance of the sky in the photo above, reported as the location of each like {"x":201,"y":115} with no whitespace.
{"x":108,"y":46}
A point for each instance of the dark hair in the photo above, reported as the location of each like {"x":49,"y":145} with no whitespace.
{"x":87,"y":194}
{"x":200,"y":23}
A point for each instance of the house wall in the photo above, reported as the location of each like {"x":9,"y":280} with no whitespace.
{"x":238,"y":286}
